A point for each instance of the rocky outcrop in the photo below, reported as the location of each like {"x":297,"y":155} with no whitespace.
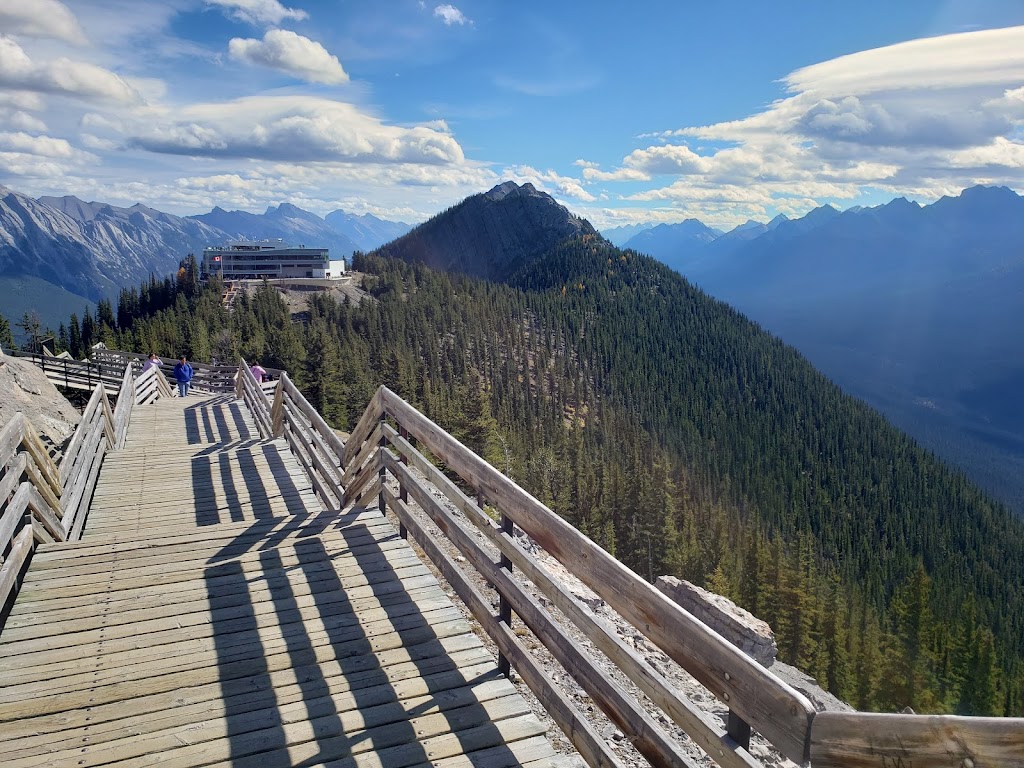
{"x":748,"y":633}
{"x":740,"y":627}
{"x":491,"y":235}
{"x":25,"y":389}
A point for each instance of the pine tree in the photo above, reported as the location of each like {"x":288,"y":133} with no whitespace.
{"x":6,"y":337}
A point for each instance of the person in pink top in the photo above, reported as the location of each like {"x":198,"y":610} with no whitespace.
{"x":258,"y":371}
{"x":152,"y":362}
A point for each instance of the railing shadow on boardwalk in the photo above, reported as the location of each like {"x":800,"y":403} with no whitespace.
{"x":207,"y":422}
{"x":327,"y":635}
{"x":218,"y":496}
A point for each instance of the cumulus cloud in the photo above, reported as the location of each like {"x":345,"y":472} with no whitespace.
{"x":550,"y":181}
{"x":930,"y":114}
{"x":450,"y":15}
{"x":62,"y":76}
{"x":259,"y":11}
{"x":23,"y":121}
{"x":44,"y":146}
{"x":40,"y":18}
{"x":292,"y":53}
{"x":294,"y":129}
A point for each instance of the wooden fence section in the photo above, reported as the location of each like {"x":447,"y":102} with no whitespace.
{"x":41,"y":501}
{"x":208,"y":377}
{"x":284,"y":411}
{"x":391,"y":436}
{"x":75,"y":374}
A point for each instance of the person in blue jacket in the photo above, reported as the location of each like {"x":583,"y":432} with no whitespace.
{"x":183,"y":375}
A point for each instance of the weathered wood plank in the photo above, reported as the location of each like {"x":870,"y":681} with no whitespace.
{"x":20,"y":550}
{"x":363,"y":427}
{"x":206,"y":721}
{"x":396,"y":667}
{"x":868,"y":740}
{"x":153,"y":656}
{"x":315,"y":419}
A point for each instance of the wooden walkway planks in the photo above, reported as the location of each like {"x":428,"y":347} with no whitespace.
{"x":216,"y":614}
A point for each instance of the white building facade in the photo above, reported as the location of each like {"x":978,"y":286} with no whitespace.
{"x":270,"y":259}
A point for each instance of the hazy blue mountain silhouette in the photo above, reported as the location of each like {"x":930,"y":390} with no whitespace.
{"x":917,"y":309}
{"x":366,"y":231}
{"x":287,"y":222}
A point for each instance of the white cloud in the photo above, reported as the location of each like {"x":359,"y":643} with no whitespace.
{"x":294,"y":129}
{"x":26,"y":100}
{"x":450,"y":15}
{"x":933,"y":114}
{"x":1000,"y":153}
{"x":550,"y":181}
{"x":64,"y":76}
{"x":44,"y":146}
{"x":948,"y":62}
{"x":292,"y":53}
{"x":23,"y":121}
{"x":98,"y":143}
{"x":40,"y":18}
{"x":259,"y":11}
{"x":666,"y":159}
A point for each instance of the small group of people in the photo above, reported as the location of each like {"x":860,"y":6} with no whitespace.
{"x":183,"y":372}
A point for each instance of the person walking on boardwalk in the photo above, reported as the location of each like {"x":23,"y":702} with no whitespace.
{"x":183,"y":375}
{"x":152,"y":362}
{"x":258,"y":371}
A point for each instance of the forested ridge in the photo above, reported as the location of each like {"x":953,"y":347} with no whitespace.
{"x":676,"y":434}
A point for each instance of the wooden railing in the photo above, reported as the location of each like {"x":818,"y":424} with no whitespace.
{"x":286,"y":413}
{"x":74,"y":374}
{"x":207,"y":377}
{"x":389,"y":442}
{"x":149,"y":386}
{"x":42,"y":501}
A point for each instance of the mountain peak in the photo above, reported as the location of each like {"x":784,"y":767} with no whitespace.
{"x":510,"y":188}
{"x":493,"y":234}
{"x":289,"y":211}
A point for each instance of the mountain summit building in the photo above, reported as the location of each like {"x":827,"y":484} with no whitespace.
{"x":272,"y":259}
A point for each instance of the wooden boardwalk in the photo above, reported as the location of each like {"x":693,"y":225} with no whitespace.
{"x":216,"y":614}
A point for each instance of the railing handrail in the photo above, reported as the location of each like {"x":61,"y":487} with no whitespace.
{"x":43,"y":501}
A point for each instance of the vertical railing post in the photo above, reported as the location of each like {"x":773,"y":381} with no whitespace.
{"x":277,"y":409}
{"x":383,"y":472}
{"x":738,"y":730}
{"x":504,"y":608}
{"x":403,"y":494}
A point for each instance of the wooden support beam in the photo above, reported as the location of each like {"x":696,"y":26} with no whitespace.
{"x":869,"y":740}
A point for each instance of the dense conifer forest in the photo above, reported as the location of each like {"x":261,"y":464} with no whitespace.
{"x":675,"y":433}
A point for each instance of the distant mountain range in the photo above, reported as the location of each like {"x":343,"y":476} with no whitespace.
{"x":619,"y":236}
{"x":89,"y":250}
{"x":917,"y":309}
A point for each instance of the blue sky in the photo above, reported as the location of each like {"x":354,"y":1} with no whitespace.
{"x":646,"y":111}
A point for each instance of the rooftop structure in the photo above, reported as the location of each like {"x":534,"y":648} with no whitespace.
{"x":253,"y":260}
